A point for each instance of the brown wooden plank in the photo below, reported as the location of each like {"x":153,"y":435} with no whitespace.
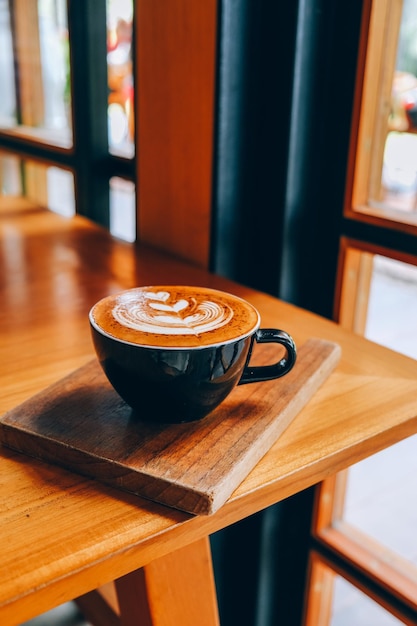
{"x":82,"y":424}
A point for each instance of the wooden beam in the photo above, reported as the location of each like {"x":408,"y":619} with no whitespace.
{"x":175,"y":78}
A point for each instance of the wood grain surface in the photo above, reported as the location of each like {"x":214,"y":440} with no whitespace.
{"x":82,"y":424}
{"x":63,"y":534}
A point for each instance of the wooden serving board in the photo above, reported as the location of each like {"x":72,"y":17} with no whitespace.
{"x":80,"y":423}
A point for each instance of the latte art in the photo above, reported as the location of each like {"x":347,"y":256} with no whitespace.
{"x":174,"y":316}
{"x":159,"y":312}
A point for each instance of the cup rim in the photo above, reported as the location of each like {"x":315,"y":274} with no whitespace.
{"x":177,"y":348}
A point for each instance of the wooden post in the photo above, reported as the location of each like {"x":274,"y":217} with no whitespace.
{"x":175,"y":74}
{"x":177,"y":589}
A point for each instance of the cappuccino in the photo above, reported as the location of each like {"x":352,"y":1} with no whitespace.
{"x":173,"y":316}
{"x":174,"y":353}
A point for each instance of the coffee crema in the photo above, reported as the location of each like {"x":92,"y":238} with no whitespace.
{"x":173,"y":316}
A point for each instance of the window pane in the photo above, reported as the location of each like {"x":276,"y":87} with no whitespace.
{"x":352,"y":607}
{"x":120,"y":77}
{"x":49,"y":186}
{"x":54,"y":49}
{"x":60,"y":187}
{"x":386,"y":170}
{"x":41,"y":100}
{"x":10,"y":175}
{"x":399,"y":174}
{"x":380,"y":498}
{"x":122,"y":209}
{"x":378,"y":492}
{"x":7,"y":100}
{"x":392,"y":307}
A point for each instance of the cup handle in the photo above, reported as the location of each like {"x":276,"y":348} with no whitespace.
{"x":269,"y":372}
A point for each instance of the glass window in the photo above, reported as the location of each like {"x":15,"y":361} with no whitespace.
{"x":10,"y":175}
{"x":37,"y":98}
{"x":122,"y":209}
{"x":352,"y":607}
{"x":54,"y":55}
{"x":44,"y":101}
{"x":392,"y":306}
{"x":368,"y":514}
{"x":8,"y":99}
{"x":378,"y":488}
{"x":378,"y":498}
{"x":60,"y":190}
{"x":399,"y":171}
{"x":50,"y":186}
{"x":120,"y":77}
{"x":386,"y":160}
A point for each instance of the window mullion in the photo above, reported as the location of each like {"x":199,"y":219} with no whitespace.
{"x":88,"y":55}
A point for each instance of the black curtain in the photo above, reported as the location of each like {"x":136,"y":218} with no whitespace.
{"x":255,"y":76}
{"x":286,"y":75}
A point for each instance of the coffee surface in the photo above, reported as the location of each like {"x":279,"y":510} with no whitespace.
{"x":174,"y":316}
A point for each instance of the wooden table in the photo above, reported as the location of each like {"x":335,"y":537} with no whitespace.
{"x":63,"y":535}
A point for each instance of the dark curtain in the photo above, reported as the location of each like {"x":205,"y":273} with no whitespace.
{"x":286,"y":75}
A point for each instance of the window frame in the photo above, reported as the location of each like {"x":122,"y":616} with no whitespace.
{"x":337,"y":547}
{"x":377,"y":56}
{"x":89,"y":159}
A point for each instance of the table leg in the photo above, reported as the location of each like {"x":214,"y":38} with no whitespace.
{"x":177,"y":589}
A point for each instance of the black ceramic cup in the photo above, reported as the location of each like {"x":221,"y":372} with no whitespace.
{"x":174,"y":353}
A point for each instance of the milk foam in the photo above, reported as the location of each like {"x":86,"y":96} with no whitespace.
{"x":161,"y":313}
{"x":174,"y":316}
